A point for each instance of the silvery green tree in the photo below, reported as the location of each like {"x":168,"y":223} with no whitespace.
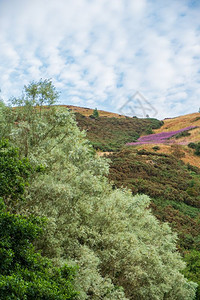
{"x":122,"y":250}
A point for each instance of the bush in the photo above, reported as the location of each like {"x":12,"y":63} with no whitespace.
{"x":192,"y":271}
{"x":192,"y":145}
{"x":182,"y":134}
{"x":156,"y":148}
{"x":195,"y":146}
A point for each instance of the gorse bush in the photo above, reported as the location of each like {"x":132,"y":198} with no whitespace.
{"x":122,"y":250}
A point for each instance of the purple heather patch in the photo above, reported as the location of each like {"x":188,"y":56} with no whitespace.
{"x":162,"y":138}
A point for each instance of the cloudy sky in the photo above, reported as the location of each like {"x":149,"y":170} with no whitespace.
{"x":98,"y":53}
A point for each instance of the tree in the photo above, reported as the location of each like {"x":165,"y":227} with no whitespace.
{"x":14,"y":172}
{"x":95,"y":113}
{"x":30,"y":124}
{"x":24,"y":273}
{"x":38,"y":93}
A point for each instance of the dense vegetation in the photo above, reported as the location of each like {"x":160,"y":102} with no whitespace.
{"x":122,"y":250}
{"x":110,"y":134}
{"x":24,"y":273}
{"x":173,"y":187}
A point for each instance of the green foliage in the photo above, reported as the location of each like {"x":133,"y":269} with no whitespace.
{"x":24,"y":273}
{"x":192,"y":271}
{"x":172,"y":185}
{"x":192,"y":145}
{"x":182,"y":134}
{"x":156,"y":148}
{"x":148,"y":131}
{"x":95,"y":113}
{"x":110,"y":134}
{"x":195,"y":146}
{"x":14,"y":172}
{"x":37,"y":94}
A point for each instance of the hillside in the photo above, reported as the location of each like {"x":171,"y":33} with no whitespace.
{"x":173,"y":187}
{"x":166,"y":171}
{"x":111,"y":133}
{"x":182,"y":122}
{"x":85,"y":111}
{"x":188,"y":131}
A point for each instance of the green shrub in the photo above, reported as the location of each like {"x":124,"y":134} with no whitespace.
{"x":192,"y":145}
{"x":195,"y":146}
{"x":182,"y":134}
{"x":156,"y":148}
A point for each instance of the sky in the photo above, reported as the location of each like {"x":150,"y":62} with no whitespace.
{"x":100,"y":53}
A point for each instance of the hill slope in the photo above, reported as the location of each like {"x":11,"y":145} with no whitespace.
{"x":173,"y":187}
{"x":85,"y":111}
{"x":186,"y":154}
{"x":110,"y":133}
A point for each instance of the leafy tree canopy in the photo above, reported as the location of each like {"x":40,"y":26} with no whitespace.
{"x":24,"y":273}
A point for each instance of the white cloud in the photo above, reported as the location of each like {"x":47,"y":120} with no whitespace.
{"x":100,"y":52}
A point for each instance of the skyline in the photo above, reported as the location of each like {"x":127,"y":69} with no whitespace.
{"x":99,"y":53}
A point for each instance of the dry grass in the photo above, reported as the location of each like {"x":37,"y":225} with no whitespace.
{"x":182,"y":122}
{"x":188,"y":158}
{"x":176,"y":124}
{"x":100,"y":153}
{"x":88,"y":111}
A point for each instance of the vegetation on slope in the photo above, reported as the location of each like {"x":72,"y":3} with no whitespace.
{"x":182,"y":122}
{"x":110,"y":134}
{"x":174,"y":188}
{"x":122,"y":250}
